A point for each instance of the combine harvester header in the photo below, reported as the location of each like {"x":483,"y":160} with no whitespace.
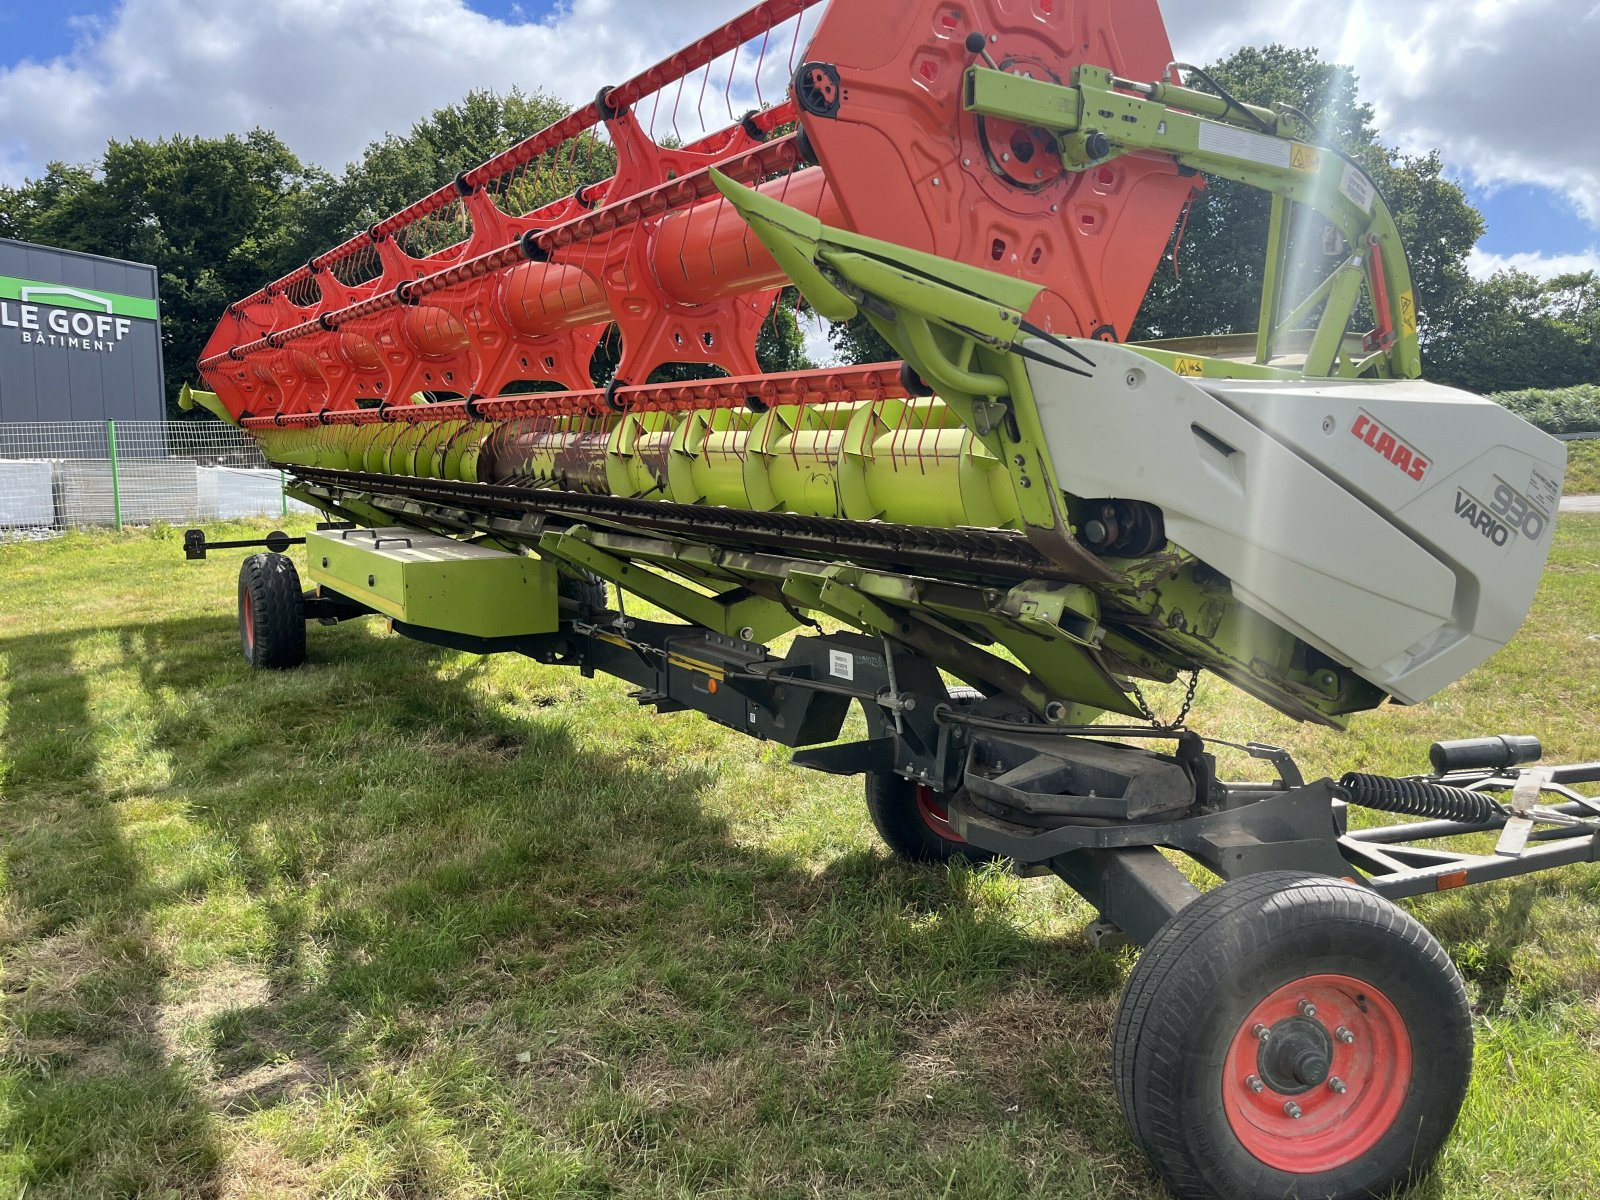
{"x":544,"y":380}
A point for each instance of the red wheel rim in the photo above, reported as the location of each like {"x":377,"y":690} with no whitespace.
{"x":248,"y":609}
{"x":1308,"y":1130}
{"x":935,"y":815}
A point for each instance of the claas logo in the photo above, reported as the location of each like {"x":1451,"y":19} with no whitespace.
{"x":1388,"y":444}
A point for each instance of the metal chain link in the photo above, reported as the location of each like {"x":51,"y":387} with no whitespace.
{"x":1148,"y":714}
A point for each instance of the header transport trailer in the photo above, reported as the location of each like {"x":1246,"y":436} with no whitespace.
{"x":1015,"y":527}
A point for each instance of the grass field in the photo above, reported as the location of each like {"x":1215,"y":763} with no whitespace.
{"x":407,"y":923}
{"x":1583,"y":468}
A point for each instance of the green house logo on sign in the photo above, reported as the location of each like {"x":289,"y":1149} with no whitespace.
{"x":55,"y":316}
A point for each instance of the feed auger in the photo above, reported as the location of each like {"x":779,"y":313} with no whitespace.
{"x":472,"y":389}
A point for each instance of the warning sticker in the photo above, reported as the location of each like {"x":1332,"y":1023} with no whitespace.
{"x":841,"y":664}
{"x":1544,"y":490}
{"x":1304,"y":158}
{"x":1357,"y":189}
{"x":1408,"y":314}
{"x":1192,"y":367}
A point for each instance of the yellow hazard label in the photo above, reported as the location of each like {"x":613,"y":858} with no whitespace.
{"x":692,"y":664}
{"x":1194,"y":367}
{"x":1408,"y":314}
{"x":1304,"y":158}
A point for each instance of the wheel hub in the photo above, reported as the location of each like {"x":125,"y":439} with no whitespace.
{"x":1296,"y":1056}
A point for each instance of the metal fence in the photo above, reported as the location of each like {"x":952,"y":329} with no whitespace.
{"x":57,"y":475}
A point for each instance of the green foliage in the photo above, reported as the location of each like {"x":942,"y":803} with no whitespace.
{"x":858,"y":342}
{"x":1563,"y":410}
{"x":1515,"y":331}
{"x":400,"y":169}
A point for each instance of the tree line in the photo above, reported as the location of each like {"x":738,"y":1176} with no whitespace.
{"x":221,"y":216}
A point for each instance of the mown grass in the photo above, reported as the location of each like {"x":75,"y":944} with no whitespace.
{"x":1583,"y":468}
{"x":411,"y":923}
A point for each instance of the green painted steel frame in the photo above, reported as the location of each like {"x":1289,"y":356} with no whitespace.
{"x":1256,"y":147}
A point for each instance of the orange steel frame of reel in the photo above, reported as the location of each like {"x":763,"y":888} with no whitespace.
{"x":873,"y":137}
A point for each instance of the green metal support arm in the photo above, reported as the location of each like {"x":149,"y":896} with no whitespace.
{"x":1099,"y":117}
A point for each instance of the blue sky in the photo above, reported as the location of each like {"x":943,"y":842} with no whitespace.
{"x":43,"y":31}
{"x":148,"y":67}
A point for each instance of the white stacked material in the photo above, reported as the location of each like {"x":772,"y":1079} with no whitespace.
{"x":27,"y":498}
{"x":150,"y":489}
{"x":227,"y":493}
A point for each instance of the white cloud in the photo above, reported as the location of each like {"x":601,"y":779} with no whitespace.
{"x":814,"y":330}
{"x":1545,"y":266}
{"x":328,"y":76}
{"x":1494,"y":86}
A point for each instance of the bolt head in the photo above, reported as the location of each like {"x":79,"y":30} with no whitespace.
{"x":1337,"y":1085}
{"x":1344,"y":1035}
{"x":1255,"y":1085}
{"x":1307,"y":1009}
{"x":1262,"y":1032}
{"x":1292,"y":1110}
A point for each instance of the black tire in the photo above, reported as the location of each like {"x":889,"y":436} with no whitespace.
{"x":1376,"y":1068}
{"x":272,"y":617}
{"x":586,"y":590}
{"x":909,"y":817}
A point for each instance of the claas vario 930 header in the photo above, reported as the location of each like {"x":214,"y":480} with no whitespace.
{"x":1011,"y":528}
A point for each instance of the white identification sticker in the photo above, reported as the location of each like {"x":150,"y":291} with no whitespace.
{"x":1544,"y":491}
{"x":1357,"y":189}
{"x":1241,"y":143}
{"x":841,"y":665}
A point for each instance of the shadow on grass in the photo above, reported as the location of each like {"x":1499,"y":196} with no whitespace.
{"x":92,"y":1093}
{"x":545,"y":930}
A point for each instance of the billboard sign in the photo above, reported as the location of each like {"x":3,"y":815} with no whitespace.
{"x":80,"y":337}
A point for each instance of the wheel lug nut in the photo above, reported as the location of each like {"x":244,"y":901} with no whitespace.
{"x":1255,"y":1085}
{"x":1307,"y":1009}
{"x":1344,"y":1035}
{"x":1293,"y":1110}
{"x":1337,"y":1085}
{"x":1262,"y":1032}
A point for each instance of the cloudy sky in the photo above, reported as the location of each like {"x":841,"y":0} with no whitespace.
{"x":1494,"y":85}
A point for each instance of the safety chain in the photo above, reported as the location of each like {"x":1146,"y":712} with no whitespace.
{"x":1183,"y":713}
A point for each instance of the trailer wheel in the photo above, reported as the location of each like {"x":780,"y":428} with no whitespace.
{"x":1292,"y":1035}
{"x":586,"y":590}
{"x":272,"y":619}
{"x":912,"y":818}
